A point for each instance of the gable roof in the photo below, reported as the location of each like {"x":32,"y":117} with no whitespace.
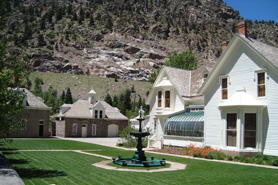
{"x":268,"y":53}
{"x":81,"y":109}
{"x":34,"y":101}
{"x":186,"y":82}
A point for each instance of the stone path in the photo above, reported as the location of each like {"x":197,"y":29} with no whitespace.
{"x":174,"y":166}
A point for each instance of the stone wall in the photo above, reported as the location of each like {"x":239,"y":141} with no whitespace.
{"x":60,"y":128}
{"x":101,"y":126}
{"x":32,"y":127}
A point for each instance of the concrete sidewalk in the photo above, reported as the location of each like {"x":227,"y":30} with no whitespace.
{"x":112,"y":141}
{"x":8,"y":176}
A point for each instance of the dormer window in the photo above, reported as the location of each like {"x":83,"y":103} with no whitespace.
{"x":100,"y":114}
{"x":167,"y":99}
{"x":96,"y":113}
{"x":159,"y":99}
{"x":205,"y":77}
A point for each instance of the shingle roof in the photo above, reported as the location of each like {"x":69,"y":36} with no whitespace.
{"x":112,"y":112}
{"x":269,"y":52}
{"x":34,"y":101}
{"x":80,"y":109}
{"x":186,"y":82}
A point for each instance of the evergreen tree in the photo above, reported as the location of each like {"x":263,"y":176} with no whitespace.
{"x":38,"y":89}
{"x":42,"y":23}
{"x":115,"y":101}
{"x":91,"y":21}
{"x":69,"y":9}
{"x":41,"y":40}
{"x":127,"y":99}
{"x":68,"y":98}
{"x":63,"y":97}
{"x":108,"y":99}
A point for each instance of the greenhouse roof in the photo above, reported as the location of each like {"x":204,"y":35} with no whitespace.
{"x":189,"y":124}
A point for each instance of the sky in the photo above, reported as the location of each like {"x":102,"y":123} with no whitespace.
{"x":256,"y":9}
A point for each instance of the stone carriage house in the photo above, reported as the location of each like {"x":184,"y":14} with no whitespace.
{"x":36,"y":114}
{"x":234,"y":108}
{"x":89,"y":118}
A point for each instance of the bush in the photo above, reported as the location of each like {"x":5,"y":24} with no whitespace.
{"x":274,"y":162}
{"x":129,"y":141}
{"x":230,"y":158}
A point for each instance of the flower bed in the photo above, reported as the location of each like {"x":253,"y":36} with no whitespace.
{"x":210,"y":153}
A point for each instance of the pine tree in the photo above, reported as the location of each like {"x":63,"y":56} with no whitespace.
{"x":108,"y":99}
{"x":68,"y":98}
{"x":41,"y":40}
{"x":127,"y":99}
{"x":115,"y":101}
{"x":63,"y":97}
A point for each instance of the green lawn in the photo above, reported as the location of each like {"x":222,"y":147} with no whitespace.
{"x":67,"y":167}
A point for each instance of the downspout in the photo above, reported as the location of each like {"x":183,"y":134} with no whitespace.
{"x":189,"y":84}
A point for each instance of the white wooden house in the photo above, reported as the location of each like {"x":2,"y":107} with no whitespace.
{"x":174,"y":103}
{"x":241,"y":98}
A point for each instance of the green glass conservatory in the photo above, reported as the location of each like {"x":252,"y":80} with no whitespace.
{"x":187,"y":124}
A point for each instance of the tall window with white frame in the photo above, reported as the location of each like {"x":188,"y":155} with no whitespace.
{"x":250,"y":130}
{"x":261,"y":84}
{"x":167,"y":99}
{"x":231,"y":129}
{"x":74,"y":129}
{"x":224,"y":86}
{"x":94,"y":129}
{"x":159,"y":99}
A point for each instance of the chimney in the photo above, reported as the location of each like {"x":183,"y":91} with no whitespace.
{"x":224,"y":45}
{"x":242,"y":28}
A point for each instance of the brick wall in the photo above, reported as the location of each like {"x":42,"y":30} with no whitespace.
{"x":101,"y":130}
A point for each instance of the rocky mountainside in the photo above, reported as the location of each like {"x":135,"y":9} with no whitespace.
{"x":121,"y":38}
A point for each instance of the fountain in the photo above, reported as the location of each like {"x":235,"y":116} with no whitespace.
{"x":139,"y":159}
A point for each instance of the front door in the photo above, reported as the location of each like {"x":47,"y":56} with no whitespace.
{"x":84,"y":130}
{"x":41,"y":128}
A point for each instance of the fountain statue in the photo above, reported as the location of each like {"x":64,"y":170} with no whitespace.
{"x":139,"y":158}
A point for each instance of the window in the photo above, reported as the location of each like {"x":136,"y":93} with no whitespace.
{"x":74,"y":129}
{"x":23,"y":125}
{"x":96,"y":113}
{"x":261,"y":84}
{"x":159,"y":99}
{"x":224,"y":83}
{"x":94,"y":129}
{"x":167,"y":99}
{"x":231,"y":129}
{"x":100,"y":114}
{"x":250,"y":130}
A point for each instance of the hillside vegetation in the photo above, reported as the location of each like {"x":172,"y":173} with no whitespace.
{"x":122,"y":38}
{"x":80,"y":85}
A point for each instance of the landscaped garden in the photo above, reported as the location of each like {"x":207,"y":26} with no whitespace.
{"x":68,"y":167}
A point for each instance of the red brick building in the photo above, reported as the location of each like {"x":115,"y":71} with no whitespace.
{"x":89,"y":118}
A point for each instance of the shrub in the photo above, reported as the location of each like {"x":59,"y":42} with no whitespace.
{"x":230,"y":158}
{"x":274,"y":162}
